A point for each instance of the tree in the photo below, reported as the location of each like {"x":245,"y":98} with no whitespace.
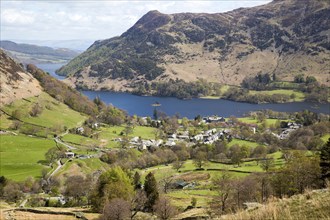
{"x":100,"y":104}
{"x":200,"y":159}
{"x":127,"y":130}
{"x":17,"y":114}
{"x":74,"y":187}
{"x":137,"y":202}
{"x":299,"y":78}
{"x":259,"y":152}
{"x":16,"y":125}
{"x":36,"y":110}
{"x":299,"y":173}
{"x":151,"y":189}
{"x":113,"y":183}
{"x":224,"y":186}
{"x":310,"y":79}
{"x":159,"y":133}
{"x":325,"y":162}
{"x":193,"y":202}
{"x":116,"y":209}
{"x":267,"y":163}
{"x":166,"y":182}
{"x":137,"y":180}
{"x":178,"y":164}
{"x":155,"y":114}
{"x":171,"y":125}
{"x":3,"y":182}
{"x":54,"y":154}
{"x":12,"y":192}
{"x":236,"y":154}
{"x":185,"y":123}
{"x":163,"y":209}
{"x":112,"y":116}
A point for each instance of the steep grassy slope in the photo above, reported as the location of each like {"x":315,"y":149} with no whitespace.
{"x":282,"y":38}
{"x":54,"y":113}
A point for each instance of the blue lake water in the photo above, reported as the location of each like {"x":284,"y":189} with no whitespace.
{"x":142,"y":105}
{"x":51,"y":68}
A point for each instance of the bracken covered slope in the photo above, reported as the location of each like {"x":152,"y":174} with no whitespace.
{"x":15,"y":83}
{"x":284,"y":37}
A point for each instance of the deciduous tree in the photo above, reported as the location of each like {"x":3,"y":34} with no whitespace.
{"x":163,"y":209}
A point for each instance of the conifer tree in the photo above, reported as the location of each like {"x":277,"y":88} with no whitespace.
{"x":151,"y":189}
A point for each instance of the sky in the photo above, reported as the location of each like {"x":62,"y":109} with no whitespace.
{"x":92,"y":20}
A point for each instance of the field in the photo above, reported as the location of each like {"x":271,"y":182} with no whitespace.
{"x":250,"y":120}
{"x":202,"y":178}
{"x":242,"y":143}
{"x":82,"y":167}
{"x":298,"y":96}
{"x":20,"y":156}
{"x":80,"y":140}
{"x":107,"y":134}
{"x":54,"y":113}
{"x":285,"y":88}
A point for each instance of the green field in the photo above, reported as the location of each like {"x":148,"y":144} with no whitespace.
{"x":80,"y":140}
{"x":54,"y":113}
{"x":223,"y":89}
{"x":82,"y":167}
{"x":107,"y":134}
{"x":250,"y":120}
{"x":299,"y":96}
{"x":243,"y":142}
{"x":182,"y":198}
{"x":20,"y":155}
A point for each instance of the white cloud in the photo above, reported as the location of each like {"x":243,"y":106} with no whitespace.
{"x":83,"y":19}
{"x":16,"y":18}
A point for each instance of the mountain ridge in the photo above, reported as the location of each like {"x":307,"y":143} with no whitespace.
{"x":285,"y":38}
{"x":31,"y":53}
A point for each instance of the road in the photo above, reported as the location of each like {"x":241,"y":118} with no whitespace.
{"x":65,"y":144}
{"x":59,"y":166}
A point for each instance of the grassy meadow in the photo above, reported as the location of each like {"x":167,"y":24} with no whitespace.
{"x":20,"y":156}
{"x":298,"y":96}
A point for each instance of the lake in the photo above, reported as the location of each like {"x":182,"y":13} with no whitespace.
{"x":51,"y":68}
{"x":142,"y":105}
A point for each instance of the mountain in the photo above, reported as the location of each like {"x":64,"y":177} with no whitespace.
{"x":74,"y":44}
{"x":284,"y":37}
{"x":15,"y":82}
{"x":28,"y":53}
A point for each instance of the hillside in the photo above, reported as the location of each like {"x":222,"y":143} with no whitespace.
{"x":28,"y":53}
{"x":310,"y":205}
{"x":15,"y":82}
{"x":284,"y":38}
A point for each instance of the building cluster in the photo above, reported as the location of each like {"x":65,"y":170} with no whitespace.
{"x":291,"y":126}
{"x":204,"y":137}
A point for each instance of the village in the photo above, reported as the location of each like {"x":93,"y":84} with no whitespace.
{"x":220,"y":129}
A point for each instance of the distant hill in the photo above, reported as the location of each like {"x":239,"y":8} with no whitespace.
{"x":284,"y":37}
{"x":15,"y":82}
{"x":28,"y":53}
